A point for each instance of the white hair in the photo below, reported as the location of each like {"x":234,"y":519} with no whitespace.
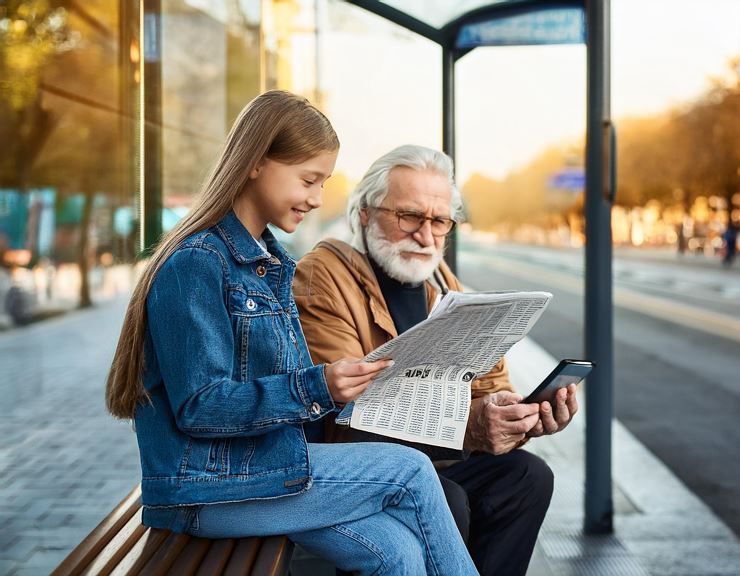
{"x":373,"y":187}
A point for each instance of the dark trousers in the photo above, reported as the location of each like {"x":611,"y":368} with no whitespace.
{"x":507,"y":498}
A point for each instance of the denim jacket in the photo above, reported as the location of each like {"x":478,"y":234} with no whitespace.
{"x":229,"y":375}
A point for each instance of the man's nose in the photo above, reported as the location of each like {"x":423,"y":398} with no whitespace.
{"x":424,"y":234}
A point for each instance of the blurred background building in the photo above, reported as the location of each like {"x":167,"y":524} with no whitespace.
{"x":99,"y":127}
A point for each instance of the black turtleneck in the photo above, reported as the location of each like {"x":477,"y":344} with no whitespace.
{"x":407,"y":303}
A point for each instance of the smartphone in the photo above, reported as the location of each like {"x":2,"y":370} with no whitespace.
{"x":565,"y":373}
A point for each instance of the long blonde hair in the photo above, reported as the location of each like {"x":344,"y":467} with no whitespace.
{"x":276,"y":125}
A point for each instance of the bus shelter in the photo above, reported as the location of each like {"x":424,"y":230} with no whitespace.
{"x":462,"y":26}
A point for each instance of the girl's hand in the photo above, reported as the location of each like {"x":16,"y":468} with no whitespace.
{"x":347,"y":378}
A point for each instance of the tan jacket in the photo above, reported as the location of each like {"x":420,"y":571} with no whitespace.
{"x":343,"y":312}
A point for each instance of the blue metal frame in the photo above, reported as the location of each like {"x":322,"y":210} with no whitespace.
{"x":599,"y":309}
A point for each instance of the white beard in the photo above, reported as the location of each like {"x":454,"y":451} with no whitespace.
{"x":388,"y":256}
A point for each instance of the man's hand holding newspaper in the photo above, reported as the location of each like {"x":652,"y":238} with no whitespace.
{"x":425,"y":396}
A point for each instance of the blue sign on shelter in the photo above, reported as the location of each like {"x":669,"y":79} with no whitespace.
{"x":549,"y":25}
{"x":569,"y":179}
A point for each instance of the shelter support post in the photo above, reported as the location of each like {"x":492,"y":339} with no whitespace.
{"x":598,"y":288}
{"x":151,"y":157}
{"x":448,"y":133}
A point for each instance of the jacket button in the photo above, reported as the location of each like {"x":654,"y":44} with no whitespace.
{"x":261,"y":271}
{"x":315,"y":409}
{"x":251,"y":305}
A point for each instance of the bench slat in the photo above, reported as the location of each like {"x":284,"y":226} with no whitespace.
{"x":217,"y":557}
{"x":274,"y":556}
{"x":141,"y":552}
{"x":165,"y":556}
{"x":191,"y":557}
{"x":121,"y":545}
{"x":90,"y":547}
{"x":117,"y":548}
{"x":243,"y":557}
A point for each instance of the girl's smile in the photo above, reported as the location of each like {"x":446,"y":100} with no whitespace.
{"x":300,"y":214}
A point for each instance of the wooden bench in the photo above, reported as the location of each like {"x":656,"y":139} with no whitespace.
{"x":121,"y":544}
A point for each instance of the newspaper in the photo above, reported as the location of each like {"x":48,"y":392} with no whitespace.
{"x":425,"y":396}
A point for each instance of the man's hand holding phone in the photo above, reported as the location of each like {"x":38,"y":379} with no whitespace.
{"x":556,"y":396}
{"x":556,"y":414}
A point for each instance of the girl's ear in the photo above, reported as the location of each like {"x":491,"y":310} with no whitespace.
{"x":257,"y":169}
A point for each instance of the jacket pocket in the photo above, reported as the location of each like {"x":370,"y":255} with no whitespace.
{"x":262,"y":347}
{"x":258,"y":333}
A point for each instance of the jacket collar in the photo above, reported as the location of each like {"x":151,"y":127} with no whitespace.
{"x":359,"y":265}
{"x":244,"y":248}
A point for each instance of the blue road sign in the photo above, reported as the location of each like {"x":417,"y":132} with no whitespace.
{"x":569,"y":179}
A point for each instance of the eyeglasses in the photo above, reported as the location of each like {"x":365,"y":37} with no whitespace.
{"x":410,"y":221}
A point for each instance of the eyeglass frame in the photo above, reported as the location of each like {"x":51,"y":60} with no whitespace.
{"x":401,"y":213}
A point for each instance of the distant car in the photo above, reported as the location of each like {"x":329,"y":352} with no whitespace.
{"x":17,"y":296}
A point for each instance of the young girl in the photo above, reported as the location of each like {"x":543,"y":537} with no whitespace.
{"x":213,"y":368}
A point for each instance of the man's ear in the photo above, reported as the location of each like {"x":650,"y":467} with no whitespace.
{"x":364,"y":217}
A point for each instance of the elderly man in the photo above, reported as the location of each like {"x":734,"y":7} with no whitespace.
{"x":353,"y":298}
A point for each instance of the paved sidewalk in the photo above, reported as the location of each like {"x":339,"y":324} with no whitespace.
{"x":661,"y":528}
{"x":64,"y":464}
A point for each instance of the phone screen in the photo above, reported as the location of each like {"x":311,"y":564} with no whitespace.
{"x":565,"y":373}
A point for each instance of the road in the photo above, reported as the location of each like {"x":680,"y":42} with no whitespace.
{"x":677,"y":351}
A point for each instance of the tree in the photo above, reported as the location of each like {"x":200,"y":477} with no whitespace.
{"x":61,"y":99}
{"x":525,"y":196}
{"x":646,"y":160}
{"x":31,"y":32}
{"x":710,"y":132}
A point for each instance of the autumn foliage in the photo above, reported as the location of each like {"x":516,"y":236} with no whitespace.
{"x":682,"y":160}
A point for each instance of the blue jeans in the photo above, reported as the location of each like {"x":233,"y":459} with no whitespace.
{"x":373,"y":508}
